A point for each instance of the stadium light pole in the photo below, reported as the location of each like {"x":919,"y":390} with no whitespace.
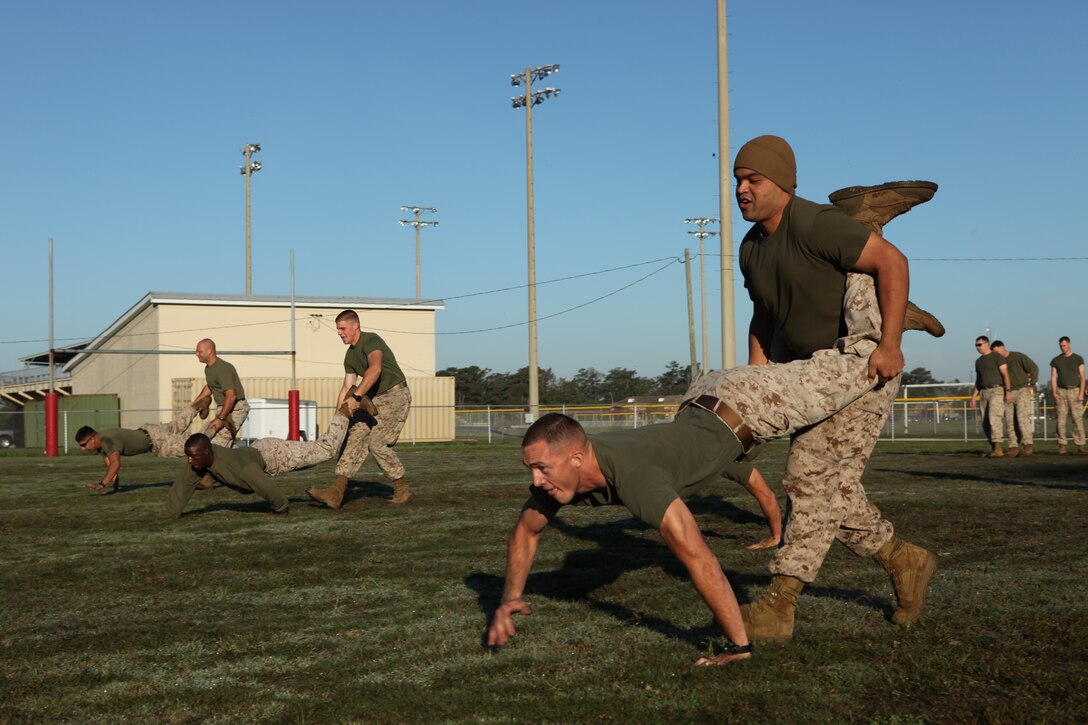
{"x":418,"y":224}
{"x":249,"y":168}
{"x":530,"y":99}
{"x":701,"y":234}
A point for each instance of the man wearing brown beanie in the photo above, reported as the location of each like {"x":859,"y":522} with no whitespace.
{"x":795,"y":261}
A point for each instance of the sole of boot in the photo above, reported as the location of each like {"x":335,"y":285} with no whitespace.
{"x":926,"y":576}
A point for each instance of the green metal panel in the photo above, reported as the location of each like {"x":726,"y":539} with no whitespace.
{"x":73,"y":412}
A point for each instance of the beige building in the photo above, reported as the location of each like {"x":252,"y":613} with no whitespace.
{"x":161,"y":371}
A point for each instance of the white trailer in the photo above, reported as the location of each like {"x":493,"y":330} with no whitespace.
{"x":268,"y":419}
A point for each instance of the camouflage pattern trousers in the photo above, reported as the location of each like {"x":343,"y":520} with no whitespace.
{"x":281,"y":456}
{"x":1070,"y":407}
{"x":827,"y":501}
{"x":168,"y":439}
{"x":780,"y":399}
{"x":378,"y":435}
{"x":992,"y":409}
{"x":1018,"y":418}
{"x":238,"y":415}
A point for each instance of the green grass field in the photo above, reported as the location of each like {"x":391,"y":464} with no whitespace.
{"x":376,"y":613}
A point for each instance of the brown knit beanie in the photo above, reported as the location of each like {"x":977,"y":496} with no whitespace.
{"x":772,"y":157}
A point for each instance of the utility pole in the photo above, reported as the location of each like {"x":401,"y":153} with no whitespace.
{"x":530,"y":99}
{"x":249,"y":168}
{"x":725,"y":200}
{"x":691,"y":315}
{"x":418,"y":224}
{"x":701,"y":235}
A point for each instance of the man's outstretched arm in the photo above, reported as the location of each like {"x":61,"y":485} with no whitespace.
{"x":891,"y":273}
{"x":520,"y":551}
{"x":681,"y":534}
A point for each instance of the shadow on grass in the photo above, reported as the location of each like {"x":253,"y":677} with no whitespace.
{"x":619,"y":551}
{"x":1077,"y":475}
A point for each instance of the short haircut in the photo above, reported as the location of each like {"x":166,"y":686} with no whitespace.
{"x":1063,"y":338}
{"x":554,"y":428}
{"x":84,"y":433}
{"x":997,"y":343}
{"x":197,"y":440}
{"x":209,"y":342}
{"x":348,"y":315}
{"x":982,"y":338}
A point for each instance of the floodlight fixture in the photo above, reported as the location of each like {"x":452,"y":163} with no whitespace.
{"x":418,"y":224}
{"x":249,"y":168}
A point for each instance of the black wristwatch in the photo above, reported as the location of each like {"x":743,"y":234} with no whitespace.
{"x":358,"y":398}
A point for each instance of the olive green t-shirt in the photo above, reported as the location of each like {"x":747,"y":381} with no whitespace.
{"x":241,"y":468}
{"x":124,"y":441}
{"x":799,"y":272}
{"x":355,"y":361}
{"x":222,"y":377}
{"x":1022,"y":370}
{"x":646,"y":469}
{"x":988,"y":370}
{"x":1068,"y":370}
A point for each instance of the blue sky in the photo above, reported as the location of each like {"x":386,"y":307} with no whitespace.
{"x":123,"y":123}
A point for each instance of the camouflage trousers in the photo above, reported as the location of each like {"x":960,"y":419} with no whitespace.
{"x":238,"y":415}
{"x":827,"y":501}
{"x":1018,"y":424}
{"x":780,"y":399}
{"x":168,"y":439}
{"x":992,"y":410}
{"x":1069,"y":407}
{"x":378,"y":435}
{"x":281,"y":456}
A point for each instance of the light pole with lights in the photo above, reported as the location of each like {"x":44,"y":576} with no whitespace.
{"x":249,"y":168}
{"x":701,"y":234}
{"x":418,"y":224}
{"x":530,"y":99}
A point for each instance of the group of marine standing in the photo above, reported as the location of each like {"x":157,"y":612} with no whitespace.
{"x":830,"y":305}
{"x":1004,"y":383}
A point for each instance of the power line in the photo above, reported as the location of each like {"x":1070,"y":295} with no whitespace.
{"x":667,"y":260}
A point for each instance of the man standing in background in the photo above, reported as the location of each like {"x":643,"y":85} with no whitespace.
{"x":1023,"y":374}
{"x":1067,"y":387}
{"x":993,"y":387}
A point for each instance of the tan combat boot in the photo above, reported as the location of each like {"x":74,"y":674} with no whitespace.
{"x":1061,"y":449}
{"x":918,"y":319}
{"x":332,"y":496}
{"x":202,"y":406}
{"x":1013,"y":452}
{"x":912,"y":568}
{"x":1082,"y":451}
{"x":365,"y":403}
{"x":401,"y":492}
{"x":1027,"y":452}
{"x":996,"y":452}
{"x":877,"y":205}
{"x":770,"y":618}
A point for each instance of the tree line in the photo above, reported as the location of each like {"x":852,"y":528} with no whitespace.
{"x":482,"y":386}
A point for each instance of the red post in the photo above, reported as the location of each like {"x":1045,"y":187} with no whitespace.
{"x":51,"y":424}
{"x":292,"y":415}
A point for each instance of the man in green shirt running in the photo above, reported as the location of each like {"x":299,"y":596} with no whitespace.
{"x":225,"y":387}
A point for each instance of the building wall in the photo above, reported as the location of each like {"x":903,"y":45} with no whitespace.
{"x":146,"y":383}
{"x":133,"y":378}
